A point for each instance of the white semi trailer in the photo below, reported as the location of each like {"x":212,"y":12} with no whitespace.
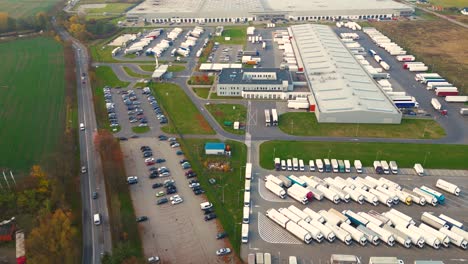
{"x":357,"y":185}
{"x":390,"y":193}
{"x":416,"y":238}
{"x":399,"y":236}
{"x":403,"y":216}
{"x":315,"y":232}
{"x":396,"y":219}
{"x":390,"y":184}
{"x":433,"y":221}
{"x":274,"y":188}
{"x":354,"y":195}
{"x":383,"y":198}
{"x":429,"y":198}
{"x":455,"y":238}
{"x":344,"y":196}
{"x":341,"y":234}
{"x":369,"y":197}
{"x":430,"y":239}
{"x":300,"y":213}
{"x":370,"y":235}
{"x":448,"y":187}
{"x":329,"y":194}
{"x":444,"y":239}
{"x":327,"y":232}
{"x":385,"y":235}
{"x":357,"y":235}
{"x":314,"y":215}
{"x":415,"y":197}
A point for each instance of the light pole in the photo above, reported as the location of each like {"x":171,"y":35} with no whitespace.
{"x":328,"y":153}
{"x":425,"y":157}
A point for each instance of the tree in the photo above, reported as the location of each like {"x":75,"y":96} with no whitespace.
{"x":53,"y":240}
{"x":41,"y":21}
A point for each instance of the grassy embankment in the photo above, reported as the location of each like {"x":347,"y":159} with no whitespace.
{"x":230,"y":113}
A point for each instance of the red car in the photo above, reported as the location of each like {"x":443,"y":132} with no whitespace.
{"x":149,"y":163}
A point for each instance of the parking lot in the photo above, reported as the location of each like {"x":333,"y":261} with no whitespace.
{"x":176,"y":233}
{"x":267,"y":236}
{"x":225,"y":54}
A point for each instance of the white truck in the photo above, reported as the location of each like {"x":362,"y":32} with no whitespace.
{"x":277,"y":217}
{"x":362,"y":181}
{"x":433,"y":221}
{"x":459,"y":231}
{"x":311,"y":165}
{"x":396,"y":220}
{"x":318,"y":195}
{"x":451,"y":221}
{"x":370,"y":235}
{"x":355,"y":195}
{"x":369,"y":197}
{"x":338,"y":214}
{"x":341,"y":234}
{"x":403,"y":216}
{"x":347,"y":165}
{"x":380,"y":217}
{"x":329,"y":194}
{"x":455,"y":238}
{"x":415,"y":237}
{"x":245,"y":233}
{"x":419,"y":169}
{"x":393,"y":167}
{"x":319,"y":164}
{"x":375,"y":182}
{"x":274,"y":179}
{"x":370,"y":218}
{"x":295,"y":164}
{"x":390,"y":193}
{"x":385,"y":235}
{"x":274,"y":188}
{"x":330,"y":218}
{"x":390,"y":184}
{"x":315,"y":232}
{"x":430,"y":239}
{"x":313,"y":215}
{"x":300,"y":213}
{"x":429,"y":198}
{"x":334,"y":164}
{"x":297,"y":193}
{"x":448,"y":187}
{"x":358,"y":166}
{"x":301,"y":165}
{"x":405,"y":198}
{"x":293,"y":217}
{"x":436,"y":104}
{"x":299,"y":232}
{"x":327,"y":232}
{"x":383,"y":198}
{"x":286,"y":182}
{"x":357,"y":235}
{"x":344,"y":196}
{"x":357,"y":184}
{"x":309,"y":181}
{"x":399,"y":236}
{"x":415,"y":197}
{"x":385,"y":167}
{"x":342,"y":183}
{"x":444,"y":239}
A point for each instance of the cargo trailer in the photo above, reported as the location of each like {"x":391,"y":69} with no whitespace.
{"x":429,"y":198}
{"x":415,"y":237}
{"x":301,"y":214}
{"x":334,"y":164}
{"x":319,"y":164}
{"x":440,"y":197}
{"x":286,"y":182}
{"x":419,"y":169}
{"x":358,"y":166}
{"x":455,"y":238}
{"x":450,"y":221}
{"x":355,"y":234}
{"x":456,"y":99}
{"x":314,"y":215}
{"x":276,"y":189}
{"x":370,"y":235}
{"x":434,"y":221}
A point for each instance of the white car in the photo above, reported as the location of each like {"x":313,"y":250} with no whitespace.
{"x":165,"y":174}
{"x":171,"y":139}
{"x":175,"y":145}
{"x":172,"y":198}
{"x":153,"y":259}
{"x":223,"y":251}
{"x":132,"y":179}
{"x":177,"y":201}
{"x":193,"y":185}
{"x":149,"y":160}
{"x":83,"y":169}
{"x":82,"y":127}
{"x":206,"y":205}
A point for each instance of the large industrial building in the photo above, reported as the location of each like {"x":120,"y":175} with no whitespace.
{"x":236,"y":11}
{"x":343,"y":91}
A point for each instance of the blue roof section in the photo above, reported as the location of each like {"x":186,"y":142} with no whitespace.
{"x":215,"y":145}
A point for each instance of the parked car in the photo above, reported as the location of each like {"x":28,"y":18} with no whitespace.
{"x":160,"y":160}
{"x":83,"y":169}
{"x":160,"y":194}
{"x":132,"y":179}
{"x":157,"y":185}
{"x":147,"y":154}
{"x":193,"y":181}
{"x":208,"y":211}
{"x":153,"y":175}
{"x":162,"y":137}
{"x":172,"y":139}
{"x":95,"y":195}
{"x":153,"y":259}
{"x":221,"y":235}
{"x":145,"y":148}
{"x":162,"y":201}
{"x":169,"y":183}
{"x":177,"y":201}
{"x":142,"y":218}
{"x":206,"y":205}
{"x":209,"y":217}
{"x":175,"y":145}
{"x":171,"y":191}
{"x":122,"y":138}
{"x":223,"y":251}
{"x":198,"y":191}
{"x":193,"y":185}
{"x":165,"y":174}
{"x":179,"y":152}
{"x":153,"y":169}
{"x":182,"y":161}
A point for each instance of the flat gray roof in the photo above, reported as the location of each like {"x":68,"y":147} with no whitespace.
{"x":338,"y":82}
{"x":248,"y":8}
{"x":236,"y":76}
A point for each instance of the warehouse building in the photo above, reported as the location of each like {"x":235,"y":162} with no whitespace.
{"x":239,"y":11}
{"x":262,"y":83}
{"x":215,"y":148}
{"x":342,"y":90}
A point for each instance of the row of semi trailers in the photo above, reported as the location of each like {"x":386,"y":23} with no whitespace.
{"x":370,"y":227}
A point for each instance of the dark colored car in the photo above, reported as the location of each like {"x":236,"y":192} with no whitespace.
{"x":180,"y":152}
{"x":123,"y":138}
{"x":153,"y":175}
{"x":145,"y":148}
{"x":95,"y":195}
{"x":193,"y":181}
{"x":162,"y":201}
{"x":142,"y":219}
{"x":208,"y":211}
{"x":162,"y":137}
{"x":209,"y":217}
{"x":147,"y":154}
{"x":157,"y":185}
{"x":160,"y":160}
{"x":153,"y":169}
{"x":171,"y":191}
{"x":221,"y":235}
{"x":198,"y":191}
{"x":183,"y":161}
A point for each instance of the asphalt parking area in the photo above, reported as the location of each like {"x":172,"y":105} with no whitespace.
{"x":175,"y":233}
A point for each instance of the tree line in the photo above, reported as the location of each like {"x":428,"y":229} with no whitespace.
{"x":10,"y":24}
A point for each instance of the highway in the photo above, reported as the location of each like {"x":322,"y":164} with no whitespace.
{"x":96,"y":239}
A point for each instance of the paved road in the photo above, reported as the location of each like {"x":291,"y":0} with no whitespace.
{"x":438,"y":15}
{"x":96,"y":239}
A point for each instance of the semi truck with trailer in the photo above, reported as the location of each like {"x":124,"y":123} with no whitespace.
{"x":370,"y":235}
{"x":455,"y":238}
{"x":327,"y":232}
{"x":344,"y":196}
{"x":330,"y":217}
{"x":334,"y":164}
{"x":355,"y":219}
{"x":384,"y":235}
{"x":319,"y":164}
{"x":286,"y":182}
{"x":277,"y":162}
{"x":380,"y":217}
{"x":347,"y":165}
{"x":385,"y":167}
{"x":300,"y":194}
{"x":430,"y":239}
{"x":439,"y":196}
{"x":301,"y":165}
{"x":378,"y":167}
{"x":415,"y":197}
{"x":399,"y":236}
{"x":245,"y":233}
{"x":300,"y":213}
{"x":383,"y":198}
{"x":318,"y":195}
{"x":390,"y":193}
{"x":396,"y":220}
{"x":357,"y":185}
{"x":273,"y":179}
{"x":415,"y":237}
{"x":403,"y":216}
{"x":390,"y":184}
{"x":313,"y":215}
{"x":315,"y":232}
{"x":444,"y":239}
{"x":342,"y":183}
{"x":309,"y":182}
{"x":459,"y":231}
{"x":429,"y":198}
{"x":375,"y":183}
{"x":329,"y":194}
{"x":276,"y":189}
{"x":369,"y":184}
{"x":341,"y":216}
{"x":311,"y":165}
{"x":354,"y":195}
{"x":296,"y":180}
{"x":292,"y":216}
{"x":370,"y":218}
{"x":327,"y":165}
{"x":295,"y":162}
{"x":355,"y":234}
{"x":419,"y":169}
{"x":341,"y":166}
{"x":369,"y":197}
{"x":358,"y":166}
{"x":341,"y":234}
{"x":450,"y":221}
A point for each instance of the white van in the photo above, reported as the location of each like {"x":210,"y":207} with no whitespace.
{"x":290,"y":168}
{"x":301,"y":165}
{"x":311,"y":165}
{"x":82,"y":127}
{"x":292,"y":260}
{"x":247,"y":199}
{"x":283,"y":165}
{"x":247,"y":185}
{"x":97,"y":219}
{"x":245,"y":233}
{"x":246,"y":215}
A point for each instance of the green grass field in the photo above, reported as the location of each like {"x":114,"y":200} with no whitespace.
{"x":449,"y":3}
{"x":25,"y":8}
{"x":110,"y":8}
{"x":227,"y":200}
{"x":131,"y":73}
{"x":238,"y":36}
{"x":183,"y":116}
{"x":176,"y":68}
{"x":140,"y":130}
{"x":106,"y":76}
{"x":229,"y":112}
{"x":147,"y":67}
{"x":32,"y":112}
{"x":406,"y":155}
{"x":305,"y":124}
{"x":201,"y":92}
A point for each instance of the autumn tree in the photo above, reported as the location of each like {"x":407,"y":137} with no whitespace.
{"x":53,"y":241}
{"x":7,"y":23}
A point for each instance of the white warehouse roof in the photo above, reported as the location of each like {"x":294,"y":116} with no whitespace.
{"x":344,"y":92}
